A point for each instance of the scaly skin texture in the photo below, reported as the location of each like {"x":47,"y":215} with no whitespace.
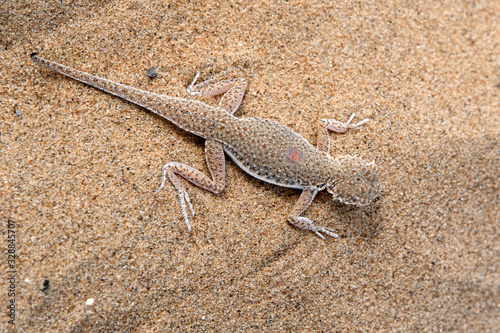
{"x":263,"y":148}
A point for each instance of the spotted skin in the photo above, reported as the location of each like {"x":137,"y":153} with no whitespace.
{"x":263,"y":148}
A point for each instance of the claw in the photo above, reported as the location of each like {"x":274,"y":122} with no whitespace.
{"x":329,"y":232}
{"x":320,"y":235}
{"x":326,"y":231}
{"x":350,"y":119}
{"x":186,"y":196}
{"x":190,"y":87}
{"x":182,"y":196}
{"x":358,"y":125}
{"x":163,"y":178}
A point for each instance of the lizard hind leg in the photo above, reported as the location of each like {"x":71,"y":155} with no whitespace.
{"x":216,"y":164}
{"x":233,"y":90}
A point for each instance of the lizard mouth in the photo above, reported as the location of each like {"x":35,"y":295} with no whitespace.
{"x":362,"y":203}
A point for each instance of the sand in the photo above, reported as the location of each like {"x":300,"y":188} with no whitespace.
{"x":98,"y":250}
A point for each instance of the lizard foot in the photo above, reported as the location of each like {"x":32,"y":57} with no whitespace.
{"x":306,"y":224}
{"x":190,"y":89}
{"x":195,"y":89}
{"x":182,"y":195}
{"x":340,"y":127}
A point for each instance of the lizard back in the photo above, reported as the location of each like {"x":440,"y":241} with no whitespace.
{"x":274,"y":153}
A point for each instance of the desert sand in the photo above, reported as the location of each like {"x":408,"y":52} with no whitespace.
{"x":98,"y":250}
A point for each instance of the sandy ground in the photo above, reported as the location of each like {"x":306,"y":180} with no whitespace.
{"x":79,"y":168}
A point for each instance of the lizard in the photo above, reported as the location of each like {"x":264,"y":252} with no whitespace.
{"x":261,"y":147}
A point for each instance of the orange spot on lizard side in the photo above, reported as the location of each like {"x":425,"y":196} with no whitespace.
{"x":294,"y":155}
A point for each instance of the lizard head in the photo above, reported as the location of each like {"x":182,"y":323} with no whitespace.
{"x":358,"y":185}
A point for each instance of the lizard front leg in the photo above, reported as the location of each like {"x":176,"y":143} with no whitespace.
{"x":334,"y":125}
{"x":303,"y":223}
{"x":214,"y":154}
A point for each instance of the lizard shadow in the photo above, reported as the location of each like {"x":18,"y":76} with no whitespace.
{"x":351,"y":220}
